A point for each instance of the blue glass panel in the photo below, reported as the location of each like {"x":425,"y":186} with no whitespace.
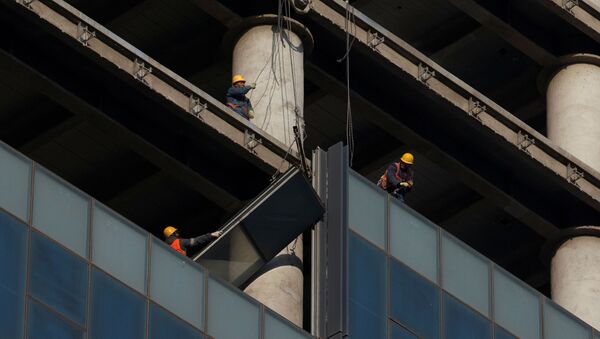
{"x":413,"y":241}
{"x":275,"y":328}
{"x":119,"y":248}
{"x":165,"y":325}
{"x":177,"y":283}
{"x":58,"y":278}
{"x":113,"y":303}
{"x":503,"y":334}
{"x":15,"y":172}
{"x":516,"y":307}
{"x":61,"y":212}
{"x":226,"y":307}
{"x":367,"y":309}
{"x":44,"y":324}
{"x":13,"y":246}
{"x":366,"y":209}
{"x":415,"y":301}
{"x":465,"y":274}
{"x":558,"y":324}
{"x":398,"y":332}
{"x":460,"y":322}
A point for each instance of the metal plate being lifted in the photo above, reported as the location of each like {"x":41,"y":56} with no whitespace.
{"x":283,"y":211}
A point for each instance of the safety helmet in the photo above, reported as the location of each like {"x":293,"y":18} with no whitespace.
{"x":237,"y":78}
{"x":169,"y":230}
{"x":407,"y":158}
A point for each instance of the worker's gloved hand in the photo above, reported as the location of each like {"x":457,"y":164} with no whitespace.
{"x":216,"y":234}
{"x":251,"y":114}
{"x":404,"y":184}
{"x":253,"y":85}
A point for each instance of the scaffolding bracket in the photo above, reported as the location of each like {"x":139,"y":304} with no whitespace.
{"x":140,"y":71}
{"x":251,"y":141}
{"x":374,"y":40}
{"x":84,"y":34}
{"x":476,"y":108}
{"x":524,"y":141}
{"x":568,"y":5}
{"x":196,"y":107}
{"x":425,"y":73}
{"x":573,"y":174}
{"x":25,"y":3}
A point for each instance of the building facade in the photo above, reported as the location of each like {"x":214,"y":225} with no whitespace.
{"x":113,"y":125}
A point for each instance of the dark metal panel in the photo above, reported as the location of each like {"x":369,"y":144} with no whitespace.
{"x":254,"y":236}
{"x":336,"y":234}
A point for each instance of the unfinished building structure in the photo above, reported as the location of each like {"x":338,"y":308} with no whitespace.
{"x":114,"y":126}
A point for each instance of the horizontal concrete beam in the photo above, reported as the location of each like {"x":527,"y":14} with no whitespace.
{"x":23,"y":76}
{"x":498,"y":123}
{"x":417,"y":143}
{"x":199,"y":108}
{"x":584,"y":16}
{"x":504,"y":30}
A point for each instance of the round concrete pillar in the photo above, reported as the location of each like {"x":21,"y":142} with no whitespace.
{"x":573,"y":107}
{"x":269,"y":50}
{"x":575,"y":273}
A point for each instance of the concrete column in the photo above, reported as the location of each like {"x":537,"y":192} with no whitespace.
{"x":573,"y":111}
{"x":575,"y":274}
{"x":573,"y":121}
{"x":269,"y":51}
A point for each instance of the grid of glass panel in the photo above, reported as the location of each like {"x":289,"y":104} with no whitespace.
{"x":75,"y":276}
{"x":435,"y":285}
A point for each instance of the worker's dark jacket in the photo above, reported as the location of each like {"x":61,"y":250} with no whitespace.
{"x":394,"y":175}
{"x":183,"y":245}
{"x":236,"y":99}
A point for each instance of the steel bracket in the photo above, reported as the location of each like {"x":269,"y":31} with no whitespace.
{"x":524,"y":141}
{"x":140,"y":71}
{"x":25,"y":3}
{"x":476,"y":108}
{"x":425,"y":73}
{"x":84,"y":34}
{"x":195,"y":107}
{"x":374,"y":40}
{"x":251,"y":141}
{"x":573,"y":174}
{"x":568,"y":5}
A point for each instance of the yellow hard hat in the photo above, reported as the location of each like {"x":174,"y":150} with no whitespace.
{"x":169,"y":230}
{"x":407,"y":158}
{"x":237,"y":78}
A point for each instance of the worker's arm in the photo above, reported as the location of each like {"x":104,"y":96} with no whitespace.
{"x":391,"y":175}
{"x":200,"y":240}
{"x":238,"y":90}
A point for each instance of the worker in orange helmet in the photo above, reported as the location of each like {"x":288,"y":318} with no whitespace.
{"x":236,"y":97}
{"x":182,"y":245}
{"x":398,"y":178}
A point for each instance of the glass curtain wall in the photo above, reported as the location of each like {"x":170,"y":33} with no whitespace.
{"x":73,"y":268}
{"x":408,"y":278}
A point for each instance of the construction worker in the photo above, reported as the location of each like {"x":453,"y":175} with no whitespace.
{"x":236,"y":97}
{"x":398,"y":178}
{"x":182,"y":245}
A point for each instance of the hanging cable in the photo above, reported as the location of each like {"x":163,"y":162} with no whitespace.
{"x":350,"y":28}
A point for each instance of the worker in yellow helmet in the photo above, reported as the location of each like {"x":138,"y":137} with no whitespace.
{"x":236,"y":97}
{"x":398,"y":178}
{"x":182,"y":245}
